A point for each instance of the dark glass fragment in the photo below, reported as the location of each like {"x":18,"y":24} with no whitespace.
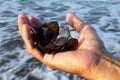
{"x":48,"y":38}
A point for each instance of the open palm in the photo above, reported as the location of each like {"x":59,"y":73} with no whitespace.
{"x":81,"y":61}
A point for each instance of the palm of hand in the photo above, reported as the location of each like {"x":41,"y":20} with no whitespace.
{"x":80,"y":61}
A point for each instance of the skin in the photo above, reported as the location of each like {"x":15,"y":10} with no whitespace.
{"x":90,"y":60}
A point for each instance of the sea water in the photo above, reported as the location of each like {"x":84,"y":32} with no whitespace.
{"x":17,"y":64}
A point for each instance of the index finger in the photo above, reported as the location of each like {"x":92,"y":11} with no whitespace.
{"x":23,"y":19}
{"x":75,"y":22}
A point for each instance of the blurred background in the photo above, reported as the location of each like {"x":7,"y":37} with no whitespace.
{"x":17,"y":64}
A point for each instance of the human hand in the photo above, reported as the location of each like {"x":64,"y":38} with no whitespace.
{"x":83,"y":61}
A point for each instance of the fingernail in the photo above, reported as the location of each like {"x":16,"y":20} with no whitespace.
{"x":71,"y":20}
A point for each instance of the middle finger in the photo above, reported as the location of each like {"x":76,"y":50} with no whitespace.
{"x":22,"y":19}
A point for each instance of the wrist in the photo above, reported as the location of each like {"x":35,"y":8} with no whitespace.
{"x":107,"y":69}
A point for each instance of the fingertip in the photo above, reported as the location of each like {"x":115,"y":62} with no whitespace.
{"x":74,"y":21}
{"x":69,"y":14}
{"x":21,"y":15}
{"x":22,"y":19}
{"x":68,"y":17}
{"x":34,"y":21}
{"x":31,"y":18}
